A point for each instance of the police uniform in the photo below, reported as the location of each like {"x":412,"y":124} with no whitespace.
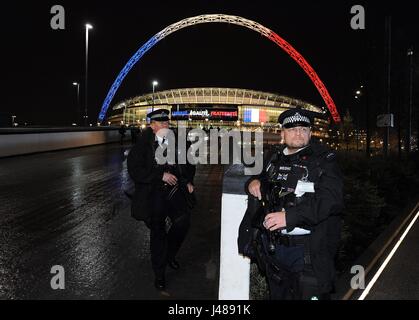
{"x":299,"y":259}
{"x":162,"y":207}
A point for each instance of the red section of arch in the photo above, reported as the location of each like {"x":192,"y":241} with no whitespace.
{"x":309,"y":71}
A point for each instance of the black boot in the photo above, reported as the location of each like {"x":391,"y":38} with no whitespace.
{"x":160,"y":283}
{"x":174,"y":264}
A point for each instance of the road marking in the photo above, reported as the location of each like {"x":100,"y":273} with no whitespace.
{"x":377,"y":275}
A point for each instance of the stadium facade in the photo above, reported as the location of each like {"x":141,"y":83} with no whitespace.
{"x":215,"y":107}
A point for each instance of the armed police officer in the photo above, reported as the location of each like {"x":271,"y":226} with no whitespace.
{"x":293,"y":216}
{"x":162,"y":194}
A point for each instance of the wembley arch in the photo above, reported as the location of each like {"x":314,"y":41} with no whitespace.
{"x":222,"y":18}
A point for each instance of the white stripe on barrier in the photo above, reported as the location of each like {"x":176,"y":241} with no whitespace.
{"x":234,"y":268}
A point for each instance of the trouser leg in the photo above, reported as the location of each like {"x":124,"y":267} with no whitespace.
{"x":158,"y":236}
{"x":284,"y":271}
{"x":180,"y":219}
{"x":283,"y":288}
{"x":310,"y":289}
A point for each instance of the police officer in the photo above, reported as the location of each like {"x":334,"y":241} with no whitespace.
{"x":160,"y":198}
{"x":302,"y":231}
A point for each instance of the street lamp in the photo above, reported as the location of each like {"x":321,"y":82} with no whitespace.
{"x":78,"y":99}
{"x":409,"y":129}
{"x":155,"y":83}
{"x":124,"y":117}
{"x":358,"y":95}
{"x":88,"y":27}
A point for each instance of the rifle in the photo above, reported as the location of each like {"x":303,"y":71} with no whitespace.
{"x":273,"y":198}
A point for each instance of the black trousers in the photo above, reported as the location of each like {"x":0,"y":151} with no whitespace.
{"x":297,"y":280}
{"x":165,"y":244}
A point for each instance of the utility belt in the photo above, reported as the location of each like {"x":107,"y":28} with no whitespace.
{"x":295,"y":240}
{"x":291,"y":240}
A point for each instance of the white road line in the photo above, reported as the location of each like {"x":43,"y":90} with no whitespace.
{"x":377,"y":275}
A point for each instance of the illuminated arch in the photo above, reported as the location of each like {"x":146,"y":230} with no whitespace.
{"x":222,"y":18}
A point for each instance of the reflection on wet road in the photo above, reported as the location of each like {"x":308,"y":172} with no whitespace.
{"x":68,"y":208}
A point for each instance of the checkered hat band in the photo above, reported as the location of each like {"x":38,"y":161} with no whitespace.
{"x":160,"y":115}
{"x":296,"y":118}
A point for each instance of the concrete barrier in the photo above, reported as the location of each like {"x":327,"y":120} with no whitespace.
{"x":24,"y":141}
{"x":234,"y":268}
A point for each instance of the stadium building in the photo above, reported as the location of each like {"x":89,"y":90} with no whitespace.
{"x":216,"y":108}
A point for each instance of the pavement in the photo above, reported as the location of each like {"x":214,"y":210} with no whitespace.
{"x":68,"y":208}
{"x":390,"y":272}
{"x":400,"y":278}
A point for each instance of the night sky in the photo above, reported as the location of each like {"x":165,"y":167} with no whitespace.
{"x":41,"y":63}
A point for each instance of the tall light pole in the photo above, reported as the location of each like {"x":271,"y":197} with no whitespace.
{"x":88,"y":27}
{"x":155,"y":83}
{"x":388,"y":86}
{"x":78,"y":99}
{"x":124,"y":117}
{"x":409,"y":129}
{"x":358,"y":95}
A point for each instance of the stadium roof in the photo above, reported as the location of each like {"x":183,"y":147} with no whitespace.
{"x":211,"y":95}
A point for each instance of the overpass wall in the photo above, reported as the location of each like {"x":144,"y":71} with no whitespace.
{"x":19,"y":142}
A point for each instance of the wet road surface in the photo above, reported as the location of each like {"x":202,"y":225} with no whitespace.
{"x":68,"y":208}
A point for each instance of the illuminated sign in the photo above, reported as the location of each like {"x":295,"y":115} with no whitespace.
{"x":227,"y":114}
{"x":224,"y":114}
{"x":180,"y":114}
{"x":199,"y":113}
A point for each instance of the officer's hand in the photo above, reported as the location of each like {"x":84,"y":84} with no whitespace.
{"x":254,"y":189}
{"x":275,"y":220}
{"x":190,"y":187}
{"x":169,"y":178}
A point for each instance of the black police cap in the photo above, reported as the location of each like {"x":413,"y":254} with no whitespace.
{"x":159,"y":115}
{"x":296,"y":117}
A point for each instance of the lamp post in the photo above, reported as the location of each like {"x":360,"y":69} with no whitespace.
{"x":358,"y":95}
{"x":124,"y":117}
{"x":409,"y":129}
{"x":78,"y":99}
{"x":388,"y":85}
{"x":88,"y":27}
{"x":362,"y":93}
{"x":155,"y":83}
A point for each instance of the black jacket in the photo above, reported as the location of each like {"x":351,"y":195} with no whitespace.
{"x":148,"y":175}
{"x":319,"y":211}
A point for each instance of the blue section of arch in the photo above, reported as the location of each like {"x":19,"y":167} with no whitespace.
{"x":135,"y":58}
